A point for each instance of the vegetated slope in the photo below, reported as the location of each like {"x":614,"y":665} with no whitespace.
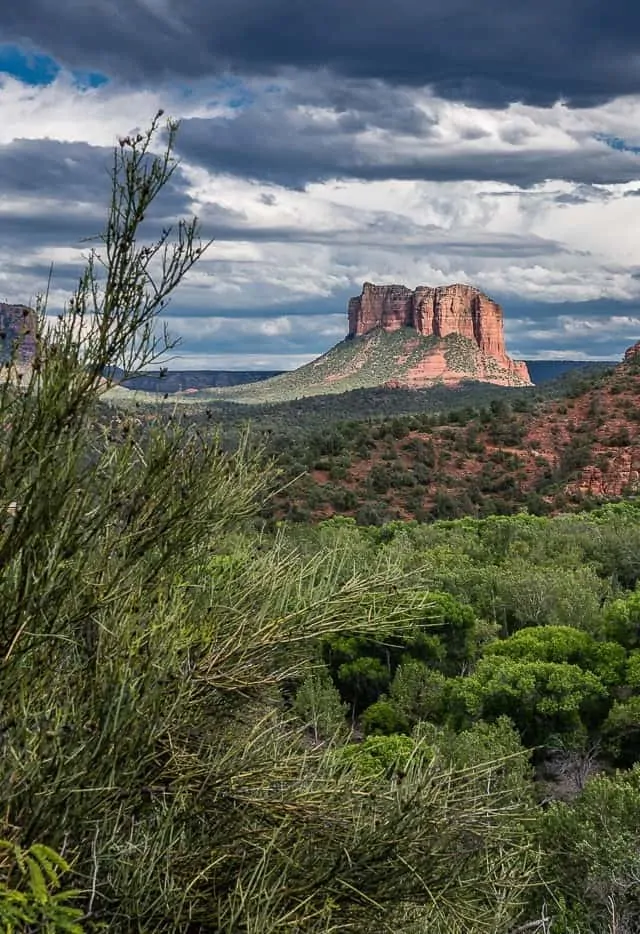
{"x":195,"y":381}
{"x":294,"y":424}
{"x":565,"y":453}
{"x":379,"y":358}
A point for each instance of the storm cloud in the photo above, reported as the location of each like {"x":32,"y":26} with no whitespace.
{"x":287,"y":143}
{"x":484,"y":54}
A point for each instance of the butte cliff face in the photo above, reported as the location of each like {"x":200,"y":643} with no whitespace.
{"x":17,"y":329}
{"x":438,"y":312}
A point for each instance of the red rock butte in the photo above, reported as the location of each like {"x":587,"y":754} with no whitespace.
{"x":436,"y":312}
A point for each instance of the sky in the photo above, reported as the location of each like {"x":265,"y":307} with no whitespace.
{"x":423,"y":142}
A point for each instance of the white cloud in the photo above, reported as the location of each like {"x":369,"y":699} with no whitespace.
{"x":99,"y":115}
{"x":296,"y":246}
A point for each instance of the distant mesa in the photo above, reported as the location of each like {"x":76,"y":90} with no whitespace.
{"x":439,"y":312}
{"x":189,"y":382}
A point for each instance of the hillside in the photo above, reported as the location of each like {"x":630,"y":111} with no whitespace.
{"x":176,"y":381}
{"x":397,"y":359}
{"x":569,"y":451}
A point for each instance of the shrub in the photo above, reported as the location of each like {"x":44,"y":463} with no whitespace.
{"x":383,"y":718}
{"x":147,"y":636}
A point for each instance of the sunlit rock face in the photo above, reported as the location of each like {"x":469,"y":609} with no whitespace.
{"x":437,"y":312}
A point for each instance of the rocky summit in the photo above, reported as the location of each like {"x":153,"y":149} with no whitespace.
{"x":439,"y":312}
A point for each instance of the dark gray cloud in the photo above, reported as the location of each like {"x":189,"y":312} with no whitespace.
{"x":483,"y":53}
{"x":584,"y":194}
{"x":286,"y":145}
{"x":75,"y":171}
{"x":535,"y":312}
{"x":45,"y":167}
{"x":76,"y":176}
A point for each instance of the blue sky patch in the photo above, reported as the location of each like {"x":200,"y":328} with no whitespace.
{"x":29,"y":67}
{"x":614,"y":142}
{"x":40,"y":70}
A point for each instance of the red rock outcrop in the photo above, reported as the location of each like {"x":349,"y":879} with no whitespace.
{"x":438,"y":312}
{"x":632,"y":354}
{"x":18,"y":325}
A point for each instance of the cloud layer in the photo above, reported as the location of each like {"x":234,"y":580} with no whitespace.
{"x":417,"y":143}
{"x":488,"y":53}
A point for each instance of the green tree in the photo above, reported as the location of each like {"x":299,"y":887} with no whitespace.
{"x":544,"y":699}
{"x":362,"y":679}
{"x":535,"y":595}
{"x":621,"y":731}
{"x":447,"y":638}
{"x":622,"y":620}
{"x":418,"y":691}
{"x":564,"y":644}
{"x":384,"y":718}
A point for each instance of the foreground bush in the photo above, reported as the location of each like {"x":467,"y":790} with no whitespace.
{"x":145,"y":635}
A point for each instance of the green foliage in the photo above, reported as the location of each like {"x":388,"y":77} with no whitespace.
{"x":632,"y":677}
{"x":532,"y":595}
{"x":446,"y":638}
{"x":622,"y":620}
{"x":317,"y":702}
{"x":383,"y":718}
{"x":621,"y":731}
{"x":565,"y":644}
{"x":378,"y":756}
{"x":457,"y":627}
{"x":593,"y":855}
{"x":496,"y":771}
{"x":496,"y":745}
{"x":542,"y":698}
{"x":31,"y":897}
{"x":361,"y":680}
{"x":419,"y":692}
